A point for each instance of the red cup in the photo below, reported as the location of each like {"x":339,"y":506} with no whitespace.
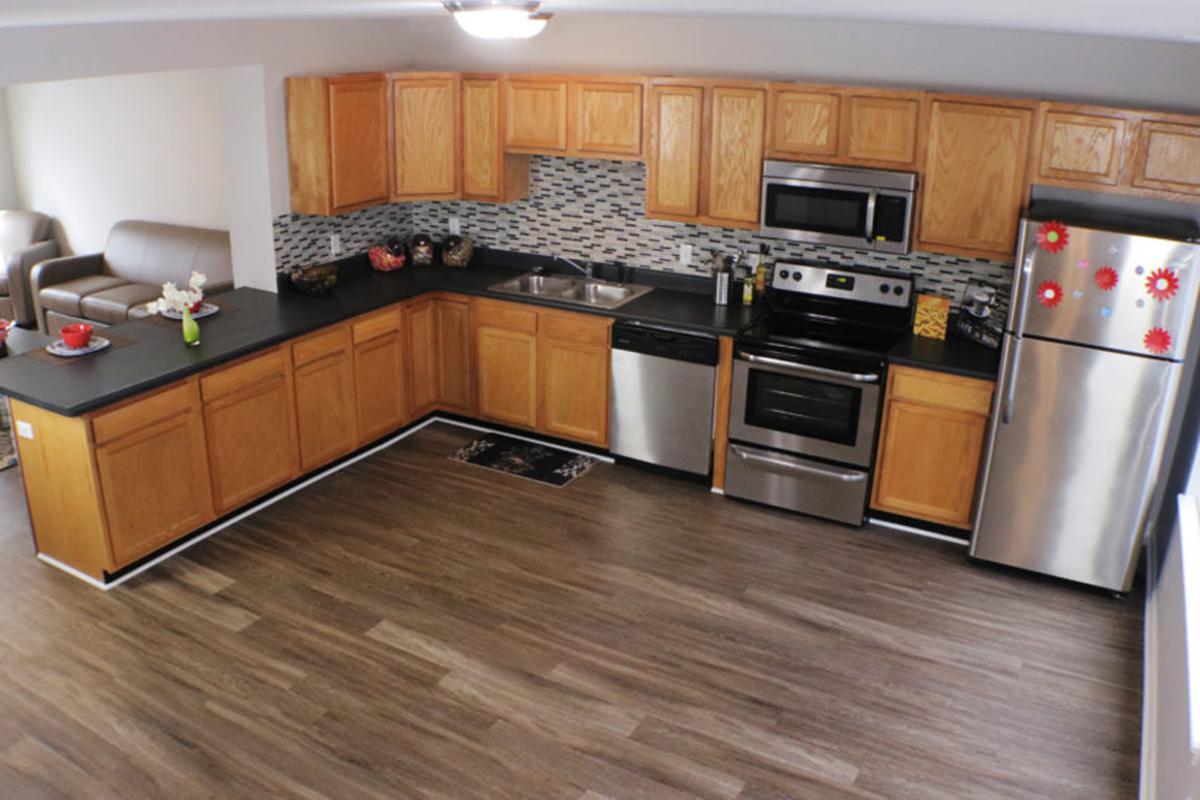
{"x":77,"y":335}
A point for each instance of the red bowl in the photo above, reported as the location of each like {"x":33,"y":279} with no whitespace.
{"x":76,"y":336}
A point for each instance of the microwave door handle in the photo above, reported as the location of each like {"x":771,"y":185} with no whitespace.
{"x":807,"y":371}
{"x":871,"y":216}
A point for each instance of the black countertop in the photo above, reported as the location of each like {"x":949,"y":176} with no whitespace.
{"x":955,"y":355}
{"x":150,"y":353}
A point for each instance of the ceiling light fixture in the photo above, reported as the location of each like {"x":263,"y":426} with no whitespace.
{"x":492,"y":20}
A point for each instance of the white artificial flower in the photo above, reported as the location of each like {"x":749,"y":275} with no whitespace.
{"x":176,"y":299}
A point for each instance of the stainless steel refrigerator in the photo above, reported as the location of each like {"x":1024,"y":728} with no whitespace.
{"x":1097,"y":346}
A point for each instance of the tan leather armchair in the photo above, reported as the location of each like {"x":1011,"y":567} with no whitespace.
{"x":24,"y":242}
{"x":114,"y":286}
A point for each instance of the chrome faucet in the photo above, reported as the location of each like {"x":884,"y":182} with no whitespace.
{"x":586,"y":269}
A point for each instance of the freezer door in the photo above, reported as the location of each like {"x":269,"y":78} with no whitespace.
{"x":1076,"y":442}
{"x":1136,"y":294}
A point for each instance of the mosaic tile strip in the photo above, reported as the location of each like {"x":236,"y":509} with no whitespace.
{"x":593,"y":209}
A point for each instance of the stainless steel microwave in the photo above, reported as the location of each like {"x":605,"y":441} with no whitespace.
{"x":870,"y":209}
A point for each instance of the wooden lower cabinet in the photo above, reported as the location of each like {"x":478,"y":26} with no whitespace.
{"x":380,"y":383}
{"x":573,"y":377}
{"x":323,"y":378}
{"x":250,"y":426}
{"x":930,"y":445}
{"x":154,"y":480}
{"x":420,"y":326}
{"x":506,"y":348}
{"x":454,"y":355}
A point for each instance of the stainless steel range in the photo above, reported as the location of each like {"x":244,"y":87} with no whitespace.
{"x":807,"y":387}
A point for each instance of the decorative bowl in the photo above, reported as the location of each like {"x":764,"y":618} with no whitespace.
{"x":77,"y":335}
{"x":316,"y":279}
{"x":457,"y":251}
{"x":383,"y":260}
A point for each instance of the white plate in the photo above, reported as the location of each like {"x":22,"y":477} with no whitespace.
{"x":59,"y":348}
{"x":206,"y":310}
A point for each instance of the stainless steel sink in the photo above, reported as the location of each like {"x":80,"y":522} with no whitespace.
{"x":570,"y":289}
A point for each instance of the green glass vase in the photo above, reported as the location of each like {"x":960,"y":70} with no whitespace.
{"x":191,"y":329}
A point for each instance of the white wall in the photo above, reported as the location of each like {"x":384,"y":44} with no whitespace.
{"x":8,"y":181}
{"x":93,"y":152}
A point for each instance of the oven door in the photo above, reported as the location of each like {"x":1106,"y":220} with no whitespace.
{"x":804,"y":409}
{"x":812,"y":211}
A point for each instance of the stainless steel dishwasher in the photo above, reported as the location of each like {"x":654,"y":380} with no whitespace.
{"x":663,"y":386}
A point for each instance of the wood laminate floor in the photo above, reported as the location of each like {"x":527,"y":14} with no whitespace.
{"x":413,"y":627}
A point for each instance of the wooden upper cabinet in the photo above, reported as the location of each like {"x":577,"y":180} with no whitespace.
{"x":425,"y":133}
{"x":676,"y":144}
{"x":881,"y":130}
{"x":1167,"y":157}
{"x":337,"y":142}
{"x":153,"y":471}
{"x":487,"y":172}
{"x":606,"y":118}
{"x":536,"y":114}
{"x":974,"y":177}
{"x":735,"y":154}
{"x":804,"y":123}
{"x":323,"y":378}
{"x":1079,"y":146}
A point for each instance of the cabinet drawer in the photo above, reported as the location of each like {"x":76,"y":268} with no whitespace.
{"x":317,"y":346}
{"x":376,"y":325}
{"x":243,"y":374}
{"x":575,"y":328}
{"x":506,"y":316}
{"x":941,"y":389}
{"x":144,"y":411}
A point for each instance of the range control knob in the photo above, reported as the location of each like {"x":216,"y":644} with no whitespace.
{"x":784,"y":274}
{"x":883,"y":288}
{"x":899,"y":290}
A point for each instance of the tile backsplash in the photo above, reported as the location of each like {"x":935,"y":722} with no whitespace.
{"x":592,"y":209}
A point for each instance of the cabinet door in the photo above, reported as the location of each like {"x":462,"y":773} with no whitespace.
{"x":803,"y":123}
{"x":358,"y":142}
{"x":506,"y":362}
{"x":250,"y":427}
{"x":1168,"y":157}
{"x":380,"y":386}
{"x":882,"y":129}
{"x":426,"y":133}
{"x":482,"y":154}
{"x":1081,"y":148}
{"x":454,"y":354}
{"x":423,"y":357}
{"x":537,"y":115}
{"x":606,"y":119}
{"x":324,"y":388}
{"x":154,"y":478}
{"x":929,"y":458}
{"x":573,"y":372}
{"x":974,"y":178}
{"x":735,"y":154}
{"x":676,"y":140}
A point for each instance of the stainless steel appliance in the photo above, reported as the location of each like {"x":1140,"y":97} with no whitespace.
{"x":870,"y":209}
{"x":807,"y":386}
{"x":663,"y":387}
{"x":1098,"y":341}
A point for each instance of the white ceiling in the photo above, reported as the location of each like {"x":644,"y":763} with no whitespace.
{"x":1168,"y":20}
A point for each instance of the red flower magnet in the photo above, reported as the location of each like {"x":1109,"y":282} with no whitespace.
{"x":1106,"y":278}
{"x":1049,"y":294}
{"x":1157,"y":341}
{"x":1053,"y":236}
{"x":1162,"y":284}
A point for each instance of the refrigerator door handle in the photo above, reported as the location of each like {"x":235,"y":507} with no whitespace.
{"x":1012,"y":358}
{"x":1021,"y":288}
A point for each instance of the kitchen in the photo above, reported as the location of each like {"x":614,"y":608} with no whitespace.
{"x":531,"y":334}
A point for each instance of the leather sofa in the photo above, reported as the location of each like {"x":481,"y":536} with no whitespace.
{"x":113,"y":286}
{"x":24,"y":242}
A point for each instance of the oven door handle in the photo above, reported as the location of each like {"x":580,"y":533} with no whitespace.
{"x":808,"y":371}
{"x":844,"y":475}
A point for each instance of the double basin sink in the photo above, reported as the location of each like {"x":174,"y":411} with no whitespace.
{"x":571,"y":289}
